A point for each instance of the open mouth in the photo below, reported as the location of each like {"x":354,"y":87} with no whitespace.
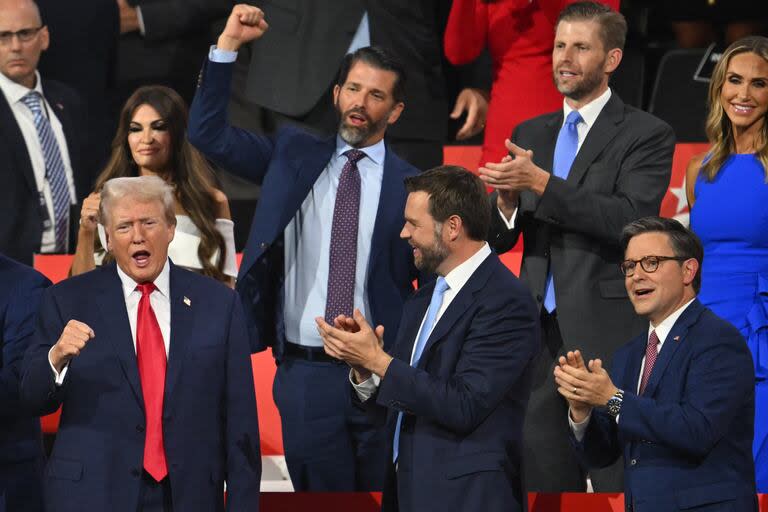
{"x":642,"y":292}
{"x":742,"y":109}
{"x":356,"y":119}
{"x":567,"y":74}
{"x":141,"y":258}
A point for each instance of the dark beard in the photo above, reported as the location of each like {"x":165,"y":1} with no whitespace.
{"x":355,"y":135}
{"x":432,"y":257}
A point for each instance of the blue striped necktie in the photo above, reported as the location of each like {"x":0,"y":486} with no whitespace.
{"x":565,"y":153}
{"x":54,"y":168}
{"x":426,"y":329}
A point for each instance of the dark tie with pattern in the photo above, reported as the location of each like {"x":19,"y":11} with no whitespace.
{"x":651,"y":352}
{"x":342,"y":262}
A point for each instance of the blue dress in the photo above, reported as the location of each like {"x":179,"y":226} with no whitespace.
{"x":730,"y":215}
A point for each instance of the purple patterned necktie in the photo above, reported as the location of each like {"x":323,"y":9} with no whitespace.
{"x":342,"y":263}
{"x":651,"y":353}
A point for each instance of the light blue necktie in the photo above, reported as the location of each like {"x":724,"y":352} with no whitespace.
{"x":54,"y":168}
{"x":426,"y":329}
{"x":565,"y":152}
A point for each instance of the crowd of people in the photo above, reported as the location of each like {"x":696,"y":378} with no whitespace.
{"x":630,"y":354}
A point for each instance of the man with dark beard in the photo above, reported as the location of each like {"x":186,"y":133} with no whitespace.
{"x":324,"y":241}
{"x":572,"y":180}
{"x":455,"y":385}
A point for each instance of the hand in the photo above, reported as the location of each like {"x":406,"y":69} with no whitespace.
{"x":579,"y":410}
{"x":72,"y":341}
{"x":245,"y":24}
{"x":129,"y":18}
{"x":362,"y":349}
{"x":475,"y":102}
{"x":583,"y":386}
{"x":89,"y":213}
{"x":515,"y":173}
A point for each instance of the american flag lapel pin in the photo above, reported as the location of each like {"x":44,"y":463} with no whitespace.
{"x":676,"y":338}
{"x":187,"y":301}
{"x":59,"y":106}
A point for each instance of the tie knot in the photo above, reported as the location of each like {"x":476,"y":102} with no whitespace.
{"x":441,"y":285}
{"x":653,"y":339}
{"x":33,"y":101}
{"x":146,"y":288}
{"x":573,"y":118}
{"x":354,"y":155}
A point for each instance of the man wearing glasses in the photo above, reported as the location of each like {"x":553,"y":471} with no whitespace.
{"x":678,"y":403}
{"x":40,"y":141}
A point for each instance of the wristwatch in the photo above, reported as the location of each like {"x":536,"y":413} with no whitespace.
{"x":614,"y":403}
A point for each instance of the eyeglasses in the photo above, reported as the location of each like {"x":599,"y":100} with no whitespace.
{"x":649,"y":263}
{"x":25,"y":35}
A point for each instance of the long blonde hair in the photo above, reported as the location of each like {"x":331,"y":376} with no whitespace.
{"x":718,"y":126}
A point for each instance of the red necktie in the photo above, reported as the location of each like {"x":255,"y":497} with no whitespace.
{"x":150,"y":352}
{"x":651,"y":352}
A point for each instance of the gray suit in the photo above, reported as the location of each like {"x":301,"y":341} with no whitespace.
{"x":620,"y":174}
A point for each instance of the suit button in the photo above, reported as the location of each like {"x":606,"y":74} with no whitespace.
{"x":135,"y":472}
{"x":539,"y":298}
{"x":633,"y":462}
{"x":139,"y":428}
{"x":546,"y":254}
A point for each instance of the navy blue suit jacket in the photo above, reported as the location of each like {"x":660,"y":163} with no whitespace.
{"x":289,"y":163}
{"x":464,"y":404}
{"x":687,"y":441}
{"x":20,"y":291}
{"x":209,"y":412}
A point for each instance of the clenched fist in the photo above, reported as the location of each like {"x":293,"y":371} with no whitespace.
{"x":72,"y":341}
{"x":89,"y":213}
{"x":245,"y":24}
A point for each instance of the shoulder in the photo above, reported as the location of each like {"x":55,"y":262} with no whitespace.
{"x":640,"y":121}
{"x":221,"y":204}
{"x":17,"y":276}
{"x":694,"y":166}
{"x":291,"y":132}
{"x":60,"y":91}
{"x":394,"y":162}
{"x":212,"y":290}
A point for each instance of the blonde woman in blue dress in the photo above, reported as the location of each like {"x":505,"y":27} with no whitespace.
{"x":727,"y":191}
{"x":151,"y":140}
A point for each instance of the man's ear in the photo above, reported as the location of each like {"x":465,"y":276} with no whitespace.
{"x":690,"y":269}
{"x":455,"y":225}
{"x":613,"y":60}
{"x":394,"y":114}
{"x":336,"y":91}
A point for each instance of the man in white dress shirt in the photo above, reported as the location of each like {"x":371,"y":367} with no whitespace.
{"x":454,"y":387}
{"x":152,"y":367}
{"x":678,"y":403}
{"x":41,"y":142}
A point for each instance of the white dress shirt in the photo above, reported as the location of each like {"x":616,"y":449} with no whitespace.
{"x":662,"y":331}
{"x":456,"y":280}
{"x":13,"y":93}
{"x":589,"y":114}
{"x":160,"y":299}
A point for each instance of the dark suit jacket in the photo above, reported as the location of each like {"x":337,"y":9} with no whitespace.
{"x":687,"y":441}
{"x":290,"y":163}
{"x":20,"y":440}
{"x":210,"y":427}
{"x":177,"y":33}
{"x":22,"y":225}
{"x":306,"y":41}
{"x":620,"y":174}
{"x":464,"y":404}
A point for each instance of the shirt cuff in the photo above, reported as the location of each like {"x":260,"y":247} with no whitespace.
{"x":578,"y":429}
{"x":58,"y":378}
{"x":367,"y":388}
{"x":140,"y":18}
{"x":511,"y":222}
{"x":222,"y":56}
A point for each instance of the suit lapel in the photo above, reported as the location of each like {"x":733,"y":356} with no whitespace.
{"x":603,"y":131}
{"x":391,"y":202}
{"x":675,"y":338}
{"x":413,"y":315}
{"x":459,"y":305}
{"x":632,"y":375}
{"x":111,"y":303}
{"x":182,"y":327}
{"x":10,"y":131}
{"x":543,"y":157}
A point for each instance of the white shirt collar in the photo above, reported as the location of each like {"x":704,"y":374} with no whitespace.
{"x":162,"y":282}
{"x":459,"y":276}
{"x":662,"y":330}
{"x":375,"y":152}
{"x":14,"y":92}
{"x":591,"y":110}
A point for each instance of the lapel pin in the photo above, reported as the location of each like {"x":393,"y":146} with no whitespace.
{"x":60,"y":106}
{"x":676,"y":338}
{"x":187,"y":301}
